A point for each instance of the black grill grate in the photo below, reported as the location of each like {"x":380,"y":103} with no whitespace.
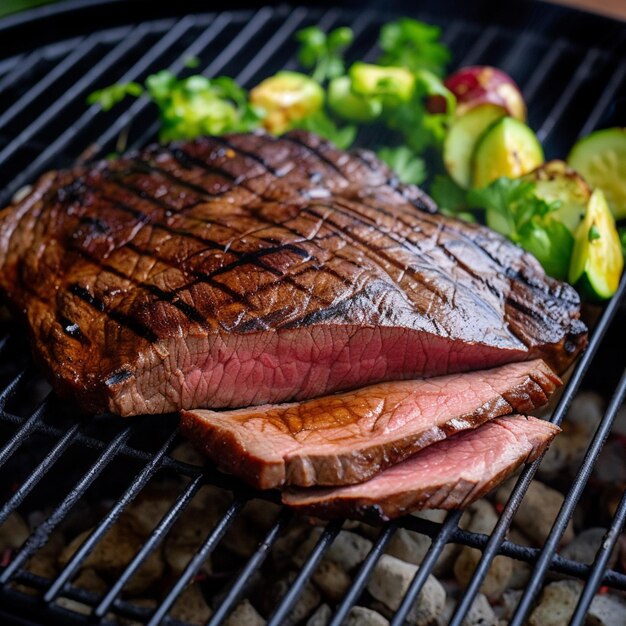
{"x":572,"y":70}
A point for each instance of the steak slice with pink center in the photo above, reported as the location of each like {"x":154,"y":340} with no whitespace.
{"x":447,"y":475}
{"x":349,"y":437}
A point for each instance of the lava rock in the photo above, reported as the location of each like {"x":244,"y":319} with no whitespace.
{"x":348,"y":550}
{"x":390,"y":581}
{"x":244,"y":615}
{"x":483,"y":520}
{"x":584,"y":546}
{"x":321,"y":617}
{"x":13,"y":533}
{"x":607,"y":610}
{"x":556,"y":604}
{"x":537,"y":512}
{"x":360,"y":616}
{"x":331,"y":580}
{"x":191,"y":606}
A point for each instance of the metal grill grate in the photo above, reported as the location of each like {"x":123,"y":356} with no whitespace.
{"x":571,"y":78}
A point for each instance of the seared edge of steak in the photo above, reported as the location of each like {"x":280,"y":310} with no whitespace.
{"x":348,"y":438}
{"x":447,"y":475}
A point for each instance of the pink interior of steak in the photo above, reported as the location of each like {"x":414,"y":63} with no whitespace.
{"x":447,"y":475}
{"x":349,"y":437}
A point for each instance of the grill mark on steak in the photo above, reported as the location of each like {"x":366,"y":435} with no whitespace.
{"x":188,"y":310}
{"x":141,"y":330}
{"x":247,"y":154}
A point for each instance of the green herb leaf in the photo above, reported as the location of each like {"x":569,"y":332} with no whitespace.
{"x":322,"y":53}
{"x":414,"y":45}
{"x":448,"y":195}
{"x":409,"y":167}
{"x":319,"y":123}
{"x":198,"y":105}
{"x":550,"y":242}
{"x":108,"y":97}
{"x":594,"y":233}
{"x":513,"y":209}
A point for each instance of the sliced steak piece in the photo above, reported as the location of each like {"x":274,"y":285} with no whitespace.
{"x":447,"y":475}
{"x":250,"y":269}
{"x":347,"y":438}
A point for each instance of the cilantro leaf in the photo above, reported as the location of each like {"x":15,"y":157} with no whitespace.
{"x":108,"y":97}
{"x":409,"y":167}
{"x":513,"y":209}
{"x":414,"y":45}
{"x":324,"y":126}
{"x":322,"y":53}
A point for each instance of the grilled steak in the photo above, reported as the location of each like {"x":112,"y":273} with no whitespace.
{"x":226,"y":272}
{"x":447,"y":475}
{"x":349,"y":437}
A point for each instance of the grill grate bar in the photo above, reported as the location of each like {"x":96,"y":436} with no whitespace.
{"x":210,"y":70}
{"x":40,"y":536}
{"x":358,"y":584}
{"x":283,"y":34}
{"x":144,"y":63}
{"x":517,"y":495}
{"x":201,"y":555}
{"x":253,"y":564}
{"x":616,"y":80}
{"x":59,"y":70}
{"x":51,"y":112}
{"x":156,"y":537}
{"x":38,"y":474}
{"x":600,"y":563}
{"x":567,"y":509}
{"x":434,"y":551}
{"x":9,"y":390}
{"x":21,"y":68}
{"x":281,"y":612}
{"x":543,"y":69}
{"x":27,"y":428}
{"x":109,"y":519}
{"x":566,"y":98}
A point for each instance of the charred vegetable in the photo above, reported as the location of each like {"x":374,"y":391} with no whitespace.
{"x":601,"y":159}
{"x":286,"y":98}
{"x":507,"y":148}
{"x":597,"y":260}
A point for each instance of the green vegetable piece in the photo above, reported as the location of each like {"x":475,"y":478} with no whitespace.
{"x":507,"y":148}
{"x":394,"y":84}
{"x":108,"y":97}
{"x":601,"y":159}
{"x":323,"y":53}
{"x":462,"y":137}
{"x":414,"y":45}
{"x":320,"y":124}
{"x":514,"y":209}
{"x":351,"y":106}
{"x":597,"y":259}
{"x":622,"y":238}
{"x":555,"y":181}
{"x":550,"y":242}
{"x":448,"y":195}
{"x":287,"y":98}
{"x":409,"y":167}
